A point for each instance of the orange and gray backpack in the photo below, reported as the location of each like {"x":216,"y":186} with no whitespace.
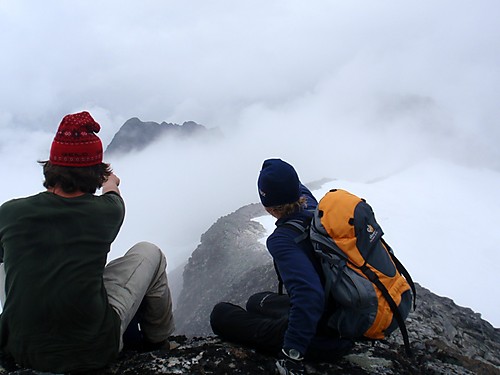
{"x":370,"y":288}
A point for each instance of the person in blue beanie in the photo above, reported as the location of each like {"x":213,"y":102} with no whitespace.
{"x":292,"y":325}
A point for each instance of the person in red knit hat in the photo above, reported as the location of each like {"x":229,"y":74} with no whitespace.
{"x":64,"y":309}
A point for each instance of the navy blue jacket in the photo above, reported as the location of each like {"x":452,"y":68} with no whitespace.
{"x":298,"y":269}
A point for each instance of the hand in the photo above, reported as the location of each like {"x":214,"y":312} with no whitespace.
{"x":111,"y":184}
{"x":288,"y":366}
{"x":113,"y":179}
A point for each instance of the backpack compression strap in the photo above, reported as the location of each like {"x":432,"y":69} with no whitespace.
{"x":402,"y":270}
{"x":372,"y":276}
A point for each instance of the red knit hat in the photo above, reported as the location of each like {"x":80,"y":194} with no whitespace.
{"x":75,"y":144}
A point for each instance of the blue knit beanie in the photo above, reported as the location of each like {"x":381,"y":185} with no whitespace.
{"x":278,"y":183}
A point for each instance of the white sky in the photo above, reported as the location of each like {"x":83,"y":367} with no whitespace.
{"x":353,"y":90}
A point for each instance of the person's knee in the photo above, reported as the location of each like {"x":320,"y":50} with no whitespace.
{"x":151,"y":252}
{"x":216,"y":313}
{"x":145,"y":247}
{"x":257,"y":300}
{"x":219,"y":315}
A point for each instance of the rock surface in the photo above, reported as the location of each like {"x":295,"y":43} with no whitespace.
{"x":209,"y":355}
{"x":228,"y":250}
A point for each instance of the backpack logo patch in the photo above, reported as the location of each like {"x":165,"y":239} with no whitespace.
{"x":373,"y":233}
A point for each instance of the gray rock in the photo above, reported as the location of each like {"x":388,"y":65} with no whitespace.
{"x":135,"y":135}
{"x":227,"y":250}
{"x":209,"y":355}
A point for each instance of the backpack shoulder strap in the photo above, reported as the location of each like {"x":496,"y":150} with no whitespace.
{"x":402,"y":270}
{"x":303,"y":229}
{"x":300,"y":226}
{"x":280,"y":280}
{"x":402,"y":326}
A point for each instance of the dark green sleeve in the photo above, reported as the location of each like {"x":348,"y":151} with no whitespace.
{"x":116,"y":198}
{"x":118,"y":207}
{"x":1,"y":231}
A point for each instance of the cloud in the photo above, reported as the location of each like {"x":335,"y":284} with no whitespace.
{"x":354,"y":90}
{"x":176,"y":61}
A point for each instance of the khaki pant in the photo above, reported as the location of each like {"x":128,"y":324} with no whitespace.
{"x":139,"y":280}
{"x":136,"y":280}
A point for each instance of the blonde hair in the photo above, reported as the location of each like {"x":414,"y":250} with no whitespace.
{"x":287,"y":208}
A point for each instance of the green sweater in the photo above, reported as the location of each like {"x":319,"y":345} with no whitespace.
{"x":56,"y":316}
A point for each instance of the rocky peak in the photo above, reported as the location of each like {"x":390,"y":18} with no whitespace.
{"x":137,"y":135}
{"x":227,"y":251}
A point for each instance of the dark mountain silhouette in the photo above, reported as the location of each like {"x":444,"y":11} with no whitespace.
{"x":135,"y":135}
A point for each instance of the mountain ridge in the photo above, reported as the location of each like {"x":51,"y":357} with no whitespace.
{"x":136,"y":135}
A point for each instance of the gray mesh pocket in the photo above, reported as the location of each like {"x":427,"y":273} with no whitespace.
{"x":355,"y":296}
